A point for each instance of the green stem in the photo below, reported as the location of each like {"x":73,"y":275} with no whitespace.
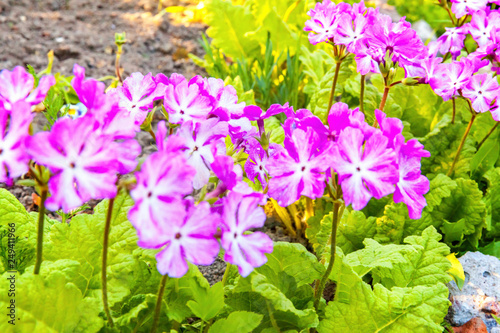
{"x":271,"y":317}
{"x":161,"y":290}
{"x":104,"y":278}
{"x":384,"y":98}
{"x":461,"y":145}
{"x":362,"y":94}
{"x":324,"y":279}
{"x":454,"y":111}
{"x":226,"y":274}
{"x":488,"y":135}
{"x":117,"y":63}
{"x":41,"y":220}
{"x":334,"y":85}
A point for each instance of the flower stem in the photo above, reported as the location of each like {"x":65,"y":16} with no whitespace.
{"x":384,"y":98}
{"x":461,"y":145}
{"x":362,"y":95}
{"x":104,"y":278}
{"x":41,"y":220}
{"x":454,"y":111}
{"x":271,"y":317}
{"x":488,"y":135}
{"x":161,"y":290}
{"x":226,"y":274}
{"x":321,"y":288}
{"x":332,"y":92}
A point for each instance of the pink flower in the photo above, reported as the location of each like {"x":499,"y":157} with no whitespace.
{"x":83,"y":162}
{"x":350,"y":31}
{"x":452,"y":41}
{"x":137,"y":95}
{"x":365,"y":169}
{"x":188,"y":236}
{"x":187,"y":101}
{"x":341,"y":117}
{"x":255,"y":166}
{"x":14,"y":131}
{"x":164,"y":179}
{"x":322,"y":23}
{"x":230,"y":177}
{"x":450,"y":78}
{"x":412,"y":185}
{"x":202,"y":142}
{"x":17,"y":85}
{"x":241,"y":213}
{"x":481,"y":26}
{"x":299,"y":168}
{"x":482,"y":89}
{"x":463,"y":7}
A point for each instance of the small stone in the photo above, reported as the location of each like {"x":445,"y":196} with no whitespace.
{"x":475,"y":325}
{"x":480,"y":295}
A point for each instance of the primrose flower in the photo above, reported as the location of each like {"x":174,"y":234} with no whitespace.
{"x":350,"y":31}
{"x":450,"y":78}
{"x":365,"y":169}
{"x":255,"y":166}
{"x":412,"y":185}
{"x":322,"y":24}
{"x":452,"y":41}
{"x":299,"y":168}
{"x":17,"y":85}
{"x":83,"y":162}
{"x":14,"y":127}
{"x":241,"y":213}
{"x":137,"y":95}
{"x":90,"y":92}
{"x":202,"y":142}
{"x":186,"y":101}
{"x":463,"y":7}
{"x":164,"y":179}
{"x":188,"y":236}
{"x":365,"y":61}
{"x":341,"y":116}
{"x":481,"y":26}
{"x":482,"y":90}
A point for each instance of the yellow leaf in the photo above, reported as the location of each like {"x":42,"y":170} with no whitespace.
{"x":456,"y":270}
{"x":284,"y":216}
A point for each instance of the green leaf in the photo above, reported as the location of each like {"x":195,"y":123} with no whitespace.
{"x":443,"y":143}
{"x":319,"y":224}
{"x":353,"y":228}
{"x":485,"y":158}
{"x":51,"y":302}
{"x":207,"y":303}
{"x":492,"y":201}
{"x":273,"y":126}
{"x":295,"y":261}
{"x":493,"y":249}
{"x":228,"y":27}
{"x":237,"y":322}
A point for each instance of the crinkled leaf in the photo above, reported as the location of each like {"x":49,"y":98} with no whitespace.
{"x":353,"y":228}
{"x":492,"y":201}
{"x":51,"y":302}
{"x":237,"y":322}
{"x":208,"y":302}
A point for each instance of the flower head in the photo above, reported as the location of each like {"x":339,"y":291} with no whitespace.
{"x":241,"y":213}
{"x":463,"y":7}
{"x":482,"y":90}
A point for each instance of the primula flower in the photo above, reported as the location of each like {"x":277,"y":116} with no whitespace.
{"x":164,"y":179}
{"x":452,"y":41}
{"x":202,"y":142}
{"x":341,"y":116}
{"x":241,"y":213}
{"x":412,"y":185}
{"x":304,"y":119}
{"x":350,"y":31}
{"x":255,"y":166}
{"x":17,"y":85}
{"x":463,"y":7}
{"x":187,"y":101}
{"x":322,"y":23}
{"x":450,"y":78}
{"x":482,"y":89}
{"x":187,"y":236}
{"x":137,"y":95}
{"x":299,"y":168}
{"x":230,"y":177}
{"x":14,"y":130}
{"x":481,"y":26}
{"x":83,"y":162}
{"x":365,"y":61}
{"x":365,"y":169}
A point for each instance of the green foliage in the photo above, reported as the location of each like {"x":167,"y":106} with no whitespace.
{"x":237,"y":322}
{"x":409,"y":292}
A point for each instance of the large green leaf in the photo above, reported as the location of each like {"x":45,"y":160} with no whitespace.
{"x":353,"y":228}
{"x":51,"y":302}
{"x":207,"y":302}
{"x":492,"y":201}
{"x":237,"y":322}
{"x":228,"y":28}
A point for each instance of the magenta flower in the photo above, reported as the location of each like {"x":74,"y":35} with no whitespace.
{"x":463,"y":7}
{"x":365,"y":60}
{"x":365,"y":169}
{"x":17,"y":85}
{"x":241,"y":213}
{"x":299,"y":168}
{"x":341,"y":117}
{"x":230,"y":177}
{"x":481,"y":26}
{"x":322,"y":24}
{"x":202,"y":142}
{"x":187,"y":101}
{"x":187,"y":236}
{"x":14,"y":131}
{"x":255,"y":166}
{"x":137,"y":95}
{"x":482,"y":90}
{"x":304,"y":119}
{"x":83,"y":162}
{"x":452,"y":41}
{"x":164,"y":179}
{"x":350,"y":31}
{"x":449,"y":78}
{"x":90,"y":92}
{"x":412,"y":185}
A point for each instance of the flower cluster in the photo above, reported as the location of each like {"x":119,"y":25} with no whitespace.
{"x":373,"y":38}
